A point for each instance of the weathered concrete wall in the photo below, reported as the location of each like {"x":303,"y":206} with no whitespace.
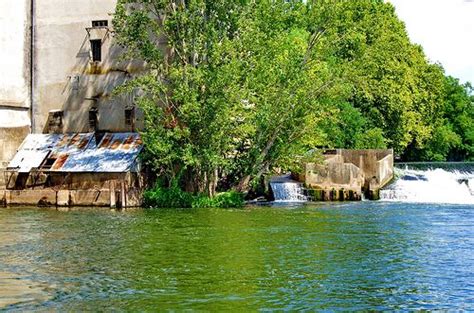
{"x":333,"y":180}
{"x":10,"y":139}
{"x":385,"y":170}
{"x":367,"y":160}
{"x":66,"y":78}
{"x":78,"y":189}
{"x":68,"y":198}
{"x":330,"y":173}
{"x":57,"y":198}
{"x":14,"y":77}
{"x":349,"y":171}
{"x":14,"y":54}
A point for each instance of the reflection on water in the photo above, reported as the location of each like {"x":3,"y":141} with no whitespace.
{"x":359,"y":255}
{"x":16,"y":289}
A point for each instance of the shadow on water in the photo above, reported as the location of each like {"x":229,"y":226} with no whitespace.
{"x":358,"y":256}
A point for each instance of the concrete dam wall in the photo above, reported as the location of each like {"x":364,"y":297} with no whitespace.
{"x":348,"y":174}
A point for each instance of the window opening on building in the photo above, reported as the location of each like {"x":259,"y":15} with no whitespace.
{"x":129,"y":116}
{"x":100,"y":23}
{"x":48,"y":163}
{"x":93,"y":119}
{"x":55,"y":121}
{"x":96,"y":47}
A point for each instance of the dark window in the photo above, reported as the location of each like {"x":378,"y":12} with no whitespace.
{"x":101,"y":23}
{"x":49,"y":163}
{"x":96,"y":47}
{"x":129,"y":116}
{"x":93,"y":119}
{"x":55,"y":119}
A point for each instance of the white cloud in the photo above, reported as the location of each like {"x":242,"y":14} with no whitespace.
{"x":445,"y":29}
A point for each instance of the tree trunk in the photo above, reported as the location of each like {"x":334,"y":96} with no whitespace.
{"x":243,"y":184}
{"x":259,"y":166}
{"x":212,"y":186}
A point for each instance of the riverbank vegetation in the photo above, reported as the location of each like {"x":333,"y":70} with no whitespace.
{"x":175,"y":197}
{"x":237,"y":89}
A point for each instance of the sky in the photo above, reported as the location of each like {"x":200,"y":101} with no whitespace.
{"x":445,"y":30}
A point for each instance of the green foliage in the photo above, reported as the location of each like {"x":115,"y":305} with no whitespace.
{"x":441,"y":142}
{"x":371,"y":139}
{"x":235,"y":89}
{"x":452,"y":132}
{"x":174,"y":197}
{"x":343,"y":129}
{"x":229,"y":199}
{"x":167,"y":198}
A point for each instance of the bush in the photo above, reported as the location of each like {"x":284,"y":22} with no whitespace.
{"x":230,"y":199}
{"x":167,"y":198}
{"x":176,"y":198}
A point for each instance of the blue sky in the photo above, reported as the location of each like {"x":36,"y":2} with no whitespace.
{"x":445,"y":29}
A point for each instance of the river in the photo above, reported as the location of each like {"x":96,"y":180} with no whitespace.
{"x":320,"y":256}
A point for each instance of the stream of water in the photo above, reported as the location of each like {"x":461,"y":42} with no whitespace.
{"x":413,"y":250}
{"x":432,"y":183}
{"x":359,"y":256}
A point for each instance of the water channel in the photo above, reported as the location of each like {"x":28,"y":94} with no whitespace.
{"x":365,"y":255}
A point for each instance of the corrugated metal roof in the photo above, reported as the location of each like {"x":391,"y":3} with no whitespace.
{"x":116,"y":152}
{"x":25,"y":160}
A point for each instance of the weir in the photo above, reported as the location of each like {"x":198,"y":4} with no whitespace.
{"x":451,"y":183}
{"x":347,"y":174}
{"x":287,"y":190}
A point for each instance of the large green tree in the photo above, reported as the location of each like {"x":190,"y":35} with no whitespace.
{"x":234,"y":89}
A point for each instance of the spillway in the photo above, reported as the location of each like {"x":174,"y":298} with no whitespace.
{"x":432,"y":184}
{"x":287,"y":190}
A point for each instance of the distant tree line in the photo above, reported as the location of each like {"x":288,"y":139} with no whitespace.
{"x":235,"y":89}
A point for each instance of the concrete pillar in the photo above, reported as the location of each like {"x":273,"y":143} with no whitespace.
{"x":113,"y":202}
{"x":123,"y":195}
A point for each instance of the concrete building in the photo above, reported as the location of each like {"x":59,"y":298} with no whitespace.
{"x":15,"y":95}
{"x":59,"y":68}
{"x":347,"y":174}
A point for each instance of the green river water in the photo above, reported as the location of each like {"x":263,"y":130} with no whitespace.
{"x":360,"y":256}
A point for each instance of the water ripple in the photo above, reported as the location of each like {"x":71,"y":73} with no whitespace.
{"x":358,"y":256}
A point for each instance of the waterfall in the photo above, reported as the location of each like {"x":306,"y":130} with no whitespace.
{"x":431,"y":186}
{"x":287,"y":190}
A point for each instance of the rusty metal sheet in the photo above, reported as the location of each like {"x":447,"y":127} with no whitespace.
{"x":60,"y":161}
{"x":111,"y":155}
{"x":116,"y":152}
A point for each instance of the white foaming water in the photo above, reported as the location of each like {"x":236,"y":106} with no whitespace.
{"x":288,"y":192}
{"x":431,"y":186}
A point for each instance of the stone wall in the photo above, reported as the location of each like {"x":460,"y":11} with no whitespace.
{"x":57,"y":197}
{"x":110,"y":197}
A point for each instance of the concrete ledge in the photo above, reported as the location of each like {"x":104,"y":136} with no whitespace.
{"x":65,"y":198}
{"x":333,"y":194}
